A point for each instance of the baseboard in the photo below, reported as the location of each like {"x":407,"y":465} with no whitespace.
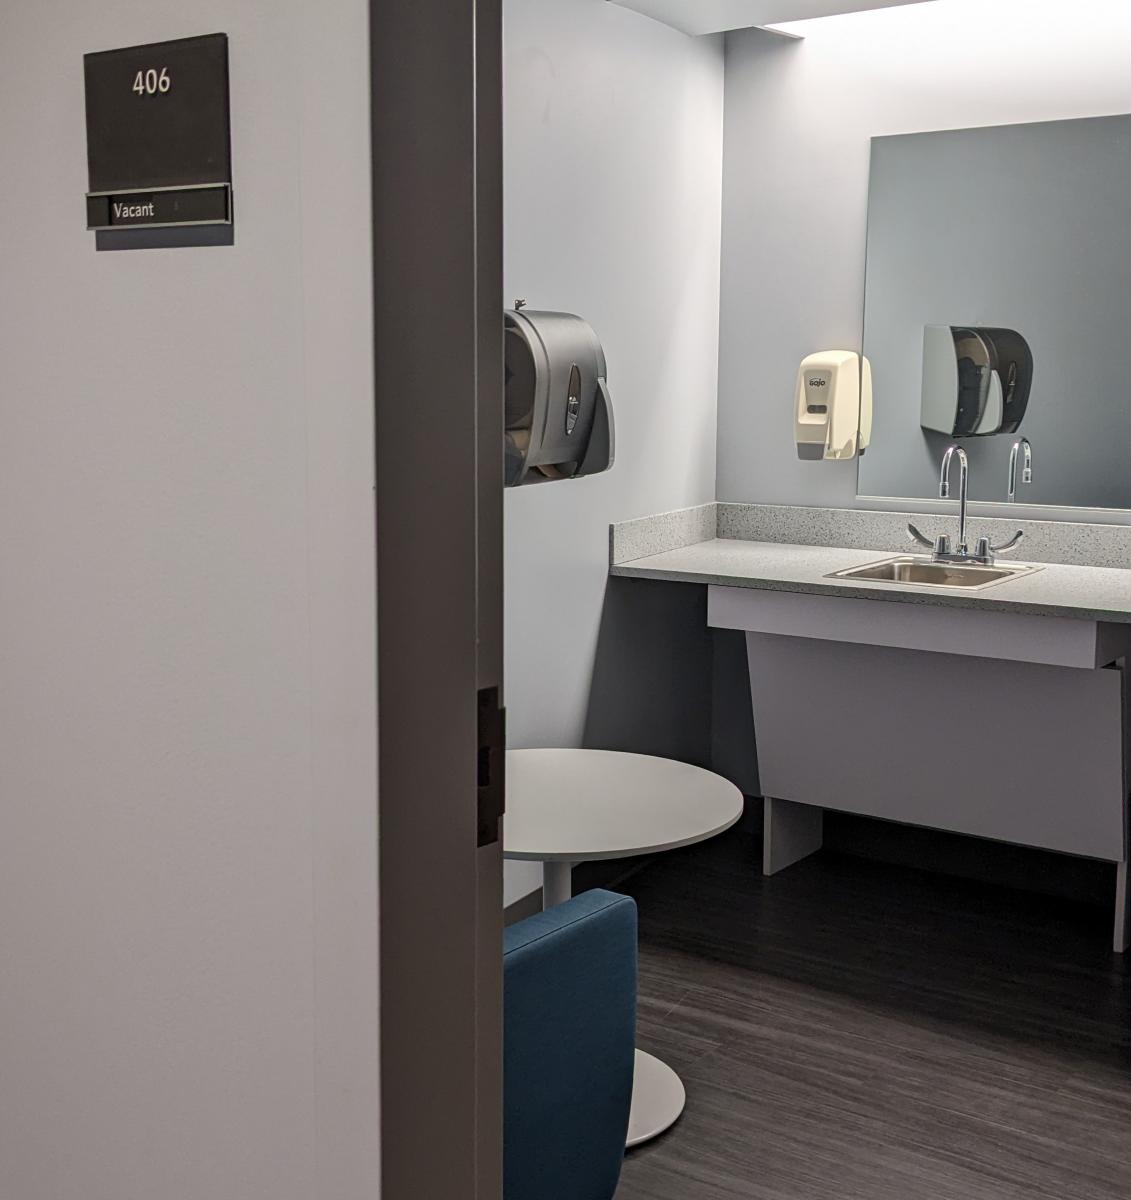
{"x":1022,"y":867}
{"x":1039,"y":871}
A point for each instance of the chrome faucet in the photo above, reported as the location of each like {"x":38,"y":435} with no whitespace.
{"x":1023,"y":450}
{"x":984,"y":553}
{"x":963,"y":490}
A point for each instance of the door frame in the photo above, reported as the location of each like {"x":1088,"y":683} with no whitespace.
{"x":436,"y":105}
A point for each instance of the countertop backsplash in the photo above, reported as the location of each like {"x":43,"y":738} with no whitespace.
{"x":1069,"y":542}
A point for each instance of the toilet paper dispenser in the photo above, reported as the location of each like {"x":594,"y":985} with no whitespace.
{"x":976,"y":380}
{"x":559,"y":415}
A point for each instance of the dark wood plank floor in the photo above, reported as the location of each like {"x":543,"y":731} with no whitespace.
{"x":855,"y":1031}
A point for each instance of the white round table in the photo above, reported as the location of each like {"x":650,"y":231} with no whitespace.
{"x":571,"y":806}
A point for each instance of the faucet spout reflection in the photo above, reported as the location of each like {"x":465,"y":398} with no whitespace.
{"x":1024,"y":451}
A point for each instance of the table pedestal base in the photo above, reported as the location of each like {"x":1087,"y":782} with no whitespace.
{"x":658,"y":1095}
{"x":658,"y":1098}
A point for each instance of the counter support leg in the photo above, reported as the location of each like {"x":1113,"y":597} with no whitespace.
{"x":791,"y":832}
{"x":557,"y":883}
{"x":1122,"y":910}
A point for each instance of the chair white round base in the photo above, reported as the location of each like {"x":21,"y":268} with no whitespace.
{"x":658,"y":1097}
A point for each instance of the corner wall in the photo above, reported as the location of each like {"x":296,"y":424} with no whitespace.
{"x":799,"y":119}
{"x":613,"y":164}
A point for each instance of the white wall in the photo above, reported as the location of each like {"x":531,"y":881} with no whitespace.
{"x":187,"y":695}
{"x":799,"y":116}
{"x":613,"y":140}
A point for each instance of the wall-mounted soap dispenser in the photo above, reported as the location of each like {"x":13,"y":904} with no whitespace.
{"x":976,"y":380}
{"x":559,"y":415}
{"x":833,"y":417}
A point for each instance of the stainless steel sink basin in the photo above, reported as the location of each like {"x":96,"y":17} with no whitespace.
{"x":922,"y":572}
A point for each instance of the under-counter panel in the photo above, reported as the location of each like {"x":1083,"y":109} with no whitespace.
{"x":1019,"y":752}
{"x":1017,"y":637}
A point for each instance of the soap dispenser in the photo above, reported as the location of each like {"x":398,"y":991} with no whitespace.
{"x":833,"y":406}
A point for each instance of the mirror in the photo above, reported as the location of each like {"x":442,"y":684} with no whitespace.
{"x":998,"y":306}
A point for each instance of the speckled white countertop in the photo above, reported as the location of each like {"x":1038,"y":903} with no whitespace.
{"x":1078,"y":592}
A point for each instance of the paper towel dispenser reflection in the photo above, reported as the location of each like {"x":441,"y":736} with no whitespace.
{"x":833,"y":417}
{"x":559,"y":416}
{"x":976,"y":380}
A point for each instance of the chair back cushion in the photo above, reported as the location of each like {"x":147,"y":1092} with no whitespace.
{"x":570,"y":1032}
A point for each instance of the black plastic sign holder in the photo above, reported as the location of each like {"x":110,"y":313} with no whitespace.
{"x":159,"y":149}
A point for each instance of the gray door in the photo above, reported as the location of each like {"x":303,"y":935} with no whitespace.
{"x":438,"y":312}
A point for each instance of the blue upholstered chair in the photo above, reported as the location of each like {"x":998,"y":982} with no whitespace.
{"x":570,"y":1024}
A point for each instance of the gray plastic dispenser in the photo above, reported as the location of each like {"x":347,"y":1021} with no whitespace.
{"x":559,"y":415}
{"x":976,"y":380}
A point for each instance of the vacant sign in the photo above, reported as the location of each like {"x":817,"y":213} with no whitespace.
{"x":158,"y":134}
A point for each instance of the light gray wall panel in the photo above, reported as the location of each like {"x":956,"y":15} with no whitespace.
{"x":188,"y":706}
{"x":612,"y":158}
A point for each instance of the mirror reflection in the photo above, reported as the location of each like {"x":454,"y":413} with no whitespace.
{"x":997,"y":305}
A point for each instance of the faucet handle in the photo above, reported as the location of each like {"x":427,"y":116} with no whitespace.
{"x":939,"y":547}
{"x":916,"y":536}
{"x":1009,"y":545}
{"x":986,"y":552}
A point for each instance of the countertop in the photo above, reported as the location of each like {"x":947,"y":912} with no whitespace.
{"x":1080,"y":593}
